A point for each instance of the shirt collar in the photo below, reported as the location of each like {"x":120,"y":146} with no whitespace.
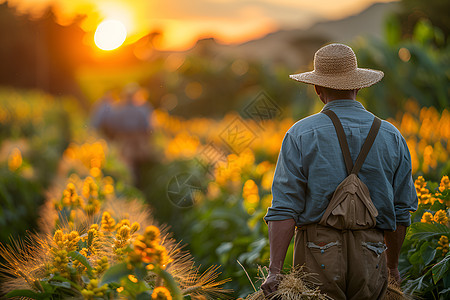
{"x":347,"y":103}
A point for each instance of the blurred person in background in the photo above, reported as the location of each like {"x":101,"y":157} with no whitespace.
{"x":127,"y":123}
{"x":102,"y":113}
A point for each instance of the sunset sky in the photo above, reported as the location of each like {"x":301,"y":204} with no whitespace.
{"x":182,"y":22}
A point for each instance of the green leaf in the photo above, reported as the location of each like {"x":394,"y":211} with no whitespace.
{"x":417,"y":284}
{"x":428,"y":253}
{"x":140,"y":273}
{"x":416,"y":258}
{"x":81,"y":258}
{"x":423,"y":31}
{"x":144,"y":296}
{"x":419,"y":231}
{"x":171,"y":285}
{"x":115,"y":273}
{"x":59,"y":278}
{"x":440,"y":269}
{"x":224,"y":248}
{"x":60,"y":284}
{"x":392,"y":31}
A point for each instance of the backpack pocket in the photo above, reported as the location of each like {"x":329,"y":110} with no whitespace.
{"x":350,"y":207}
{"x":325,"y":248}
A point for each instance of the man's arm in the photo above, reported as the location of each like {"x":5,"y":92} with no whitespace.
{"x":394,"y":241}
{"x":280,"y":236}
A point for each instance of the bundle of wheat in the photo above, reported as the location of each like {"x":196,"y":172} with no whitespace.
{"x":299,"y":284}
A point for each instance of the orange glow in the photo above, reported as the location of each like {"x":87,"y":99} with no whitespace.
{"x":182,"y":22}
{"x":110,"y":34}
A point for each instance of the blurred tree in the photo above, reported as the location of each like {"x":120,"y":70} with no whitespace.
{"x":415,"y":68}
{"x":434,"y":10}
{"x":39,"y":53}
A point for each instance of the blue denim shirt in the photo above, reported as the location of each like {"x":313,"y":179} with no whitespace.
{"x":310,"y":166}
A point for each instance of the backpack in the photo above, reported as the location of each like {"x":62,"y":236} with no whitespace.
{"x":351,"y":206}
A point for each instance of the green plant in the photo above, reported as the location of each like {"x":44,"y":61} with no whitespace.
{"x":425,"y":257}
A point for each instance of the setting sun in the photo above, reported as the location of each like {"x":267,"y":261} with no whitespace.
{"x":110,"y":34}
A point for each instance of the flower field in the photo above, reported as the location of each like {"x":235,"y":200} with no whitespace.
{"x":97,"y":237}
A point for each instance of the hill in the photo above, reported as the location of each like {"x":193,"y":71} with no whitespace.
{"x":295,"y":47}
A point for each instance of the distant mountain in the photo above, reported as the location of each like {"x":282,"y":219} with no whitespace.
{"x":295,"y":48}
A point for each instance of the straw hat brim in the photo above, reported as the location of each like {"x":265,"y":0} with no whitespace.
{"x":356,"y":79}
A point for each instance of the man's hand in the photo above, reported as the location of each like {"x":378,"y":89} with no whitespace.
{"x":394,"y":241}
{"x":271,"y":283}
{"x":395,"y":274}
{"x":280,"y":236}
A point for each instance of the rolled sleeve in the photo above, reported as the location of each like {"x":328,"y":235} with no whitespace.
{"x":405,"y":196}
{"x":289,"y":184}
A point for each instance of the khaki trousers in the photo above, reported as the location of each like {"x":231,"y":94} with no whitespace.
{"x":349,"y":264}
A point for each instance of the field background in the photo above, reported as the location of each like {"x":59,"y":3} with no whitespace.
{"x":218,"y":115}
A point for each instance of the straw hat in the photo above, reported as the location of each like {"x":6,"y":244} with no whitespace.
{"x":335,"y":67}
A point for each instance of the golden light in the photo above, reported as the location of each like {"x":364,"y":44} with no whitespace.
{"x":404,"y":54}
{"x":110,"y":34}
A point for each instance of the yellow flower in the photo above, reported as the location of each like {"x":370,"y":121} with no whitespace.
{"x":445,"y":184}
{"x":250,"y":192}
{"x":420,"y":183}
{"x":95,"y":172}
{"x":183,"y":146}
{"x":123,"y":222}
{"x":425,"y":196}
{"x":60,"y":263}
{"x":108,"y":189}
{"x":70,"y":196}
{"x":135,"y":227}
{"x":266,"y":182}
{"x":443,"y":245}
{"x":263,"y":167}
{"x":93,"y":291}
{"x":251,"y":196}
{"x":122,"y":238}
{"x":132,"y":278}
{"x":58,"y":237}
{"x":108,"y":223}
{"x":427,"y":218}
{"x":15,"y":159}
{"x":213,"y":190}
{"x":161,"y":293}
{"x":441,"y":217}
{"x":266,"y":201}
{"x":72,"y":241}
{"x":90,"y":188}
{"x":229,"y":173}
{"x":67,"y":241}
{"x":152,"y":234}
{"x":92,"y":156}
{"x":146,"y":249}
{"x":102,"y":266}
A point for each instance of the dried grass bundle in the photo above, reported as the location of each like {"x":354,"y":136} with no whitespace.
{"x":394,"y":292}
{"x":299,"y":284}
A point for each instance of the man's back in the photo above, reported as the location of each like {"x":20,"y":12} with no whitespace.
{"x":311,"y":153}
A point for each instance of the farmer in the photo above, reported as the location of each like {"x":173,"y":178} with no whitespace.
{"x":349,"y":264}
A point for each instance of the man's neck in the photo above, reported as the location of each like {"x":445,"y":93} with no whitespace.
{"x":325,"y":101}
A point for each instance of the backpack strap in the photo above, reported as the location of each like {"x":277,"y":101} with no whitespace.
{"x":376,"y":124}
{"x":342,"y":139}
{"x":353,"y":169}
